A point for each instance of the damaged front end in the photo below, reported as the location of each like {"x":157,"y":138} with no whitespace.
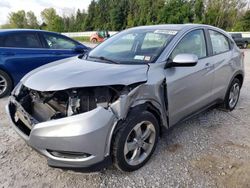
{"x":62,"y":124}
{"x":45,"y":106}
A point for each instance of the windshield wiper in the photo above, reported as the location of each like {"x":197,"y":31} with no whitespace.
{"x":104,"y":59}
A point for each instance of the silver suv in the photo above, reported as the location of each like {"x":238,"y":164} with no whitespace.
{"x":113,"y":103}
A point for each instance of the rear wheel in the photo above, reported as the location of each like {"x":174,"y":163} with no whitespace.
{"x":94,"y":40}
{"x":135,"y":141}
{"x":5,"y":84}
{"x":232,"y":95}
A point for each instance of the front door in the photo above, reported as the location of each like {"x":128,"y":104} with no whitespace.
{"x":189,"y":88}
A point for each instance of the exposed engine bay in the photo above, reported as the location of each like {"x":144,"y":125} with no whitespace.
{"x":44,"y":106}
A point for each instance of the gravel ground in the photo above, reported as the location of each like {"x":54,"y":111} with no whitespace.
{"x":209,"y":150}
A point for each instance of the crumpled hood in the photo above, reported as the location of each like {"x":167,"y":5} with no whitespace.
{"x":74,"y":73}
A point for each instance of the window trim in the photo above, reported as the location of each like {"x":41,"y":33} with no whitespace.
{"x":15,"y":33}
{"x":227,"y":38}
{"x":185,"y":34}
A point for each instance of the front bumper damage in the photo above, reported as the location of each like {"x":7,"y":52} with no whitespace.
{"x":73,"y":142}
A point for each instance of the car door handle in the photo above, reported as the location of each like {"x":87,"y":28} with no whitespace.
{"x":209,"y":66}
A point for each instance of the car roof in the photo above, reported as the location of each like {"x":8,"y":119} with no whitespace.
{"x":177,"y":27}
{"x":5,"y":31}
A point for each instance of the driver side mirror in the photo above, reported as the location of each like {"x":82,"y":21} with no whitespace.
{"x":80,"y":49}
{"x":183,"y":60}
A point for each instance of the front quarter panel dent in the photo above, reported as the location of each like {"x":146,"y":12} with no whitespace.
{"x":142,"y":94}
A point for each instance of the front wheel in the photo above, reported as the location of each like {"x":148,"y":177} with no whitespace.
{"x":5,"y":84}
{"x":135,"y":141}
{"x":232,"y":95}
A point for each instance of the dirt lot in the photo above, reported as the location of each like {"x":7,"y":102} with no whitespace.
{"x":210,"y":150}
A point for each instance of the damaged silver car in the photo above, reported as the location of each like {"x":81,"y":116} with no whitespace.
{"x":112,"y":104}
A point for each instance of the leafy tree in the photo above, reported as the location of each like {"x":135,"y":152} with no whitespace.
{"x":118,"y":15}
{"x":121,"y":14}
{"x":244,"y":23}
{"x":223,"y":13}
{"x":53,"y":21}
{"x":89,"y":23}
{"x":18,"y":19}
{"x":198,"y":11}
{"x":32,"y":20}
{"x":176,"y":12}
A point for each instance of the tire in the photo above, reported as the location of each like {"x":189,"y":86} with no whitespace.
{"x":5,"y":84}
{"x":232,"y":95}
{"x":125,"y":135}
{"x":94,"y":40}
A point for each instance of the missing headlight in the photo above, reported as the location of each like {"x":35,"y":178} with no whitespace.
{"x":44,"y":106}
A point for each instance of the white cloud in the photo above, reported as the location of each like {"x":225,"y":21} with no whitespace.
{"x":63,"y":7}
{"x":4,"y":4}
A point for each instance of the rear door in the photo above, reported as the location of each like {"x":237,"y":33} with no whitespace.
{"x":22,"y":52}
{"x":223,"y":58}
{"x":58,"y":46}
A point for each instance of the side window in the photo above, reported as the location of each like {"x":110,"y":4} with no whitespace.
{"x":22,"y":40}
{"x":220,"y":43}
{"x":193,"y":43}
{"x":58,"y":42}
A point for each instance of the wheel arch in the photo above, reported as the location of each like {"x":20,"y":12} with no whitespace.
{"x":239,"y":75}
{"x":147,"y":106}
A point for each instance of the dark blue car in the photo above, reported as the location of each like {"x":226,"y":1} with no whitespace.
{"x":23,"y":50}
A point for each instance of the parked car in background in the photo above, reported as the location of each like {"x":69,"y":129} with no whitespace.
{"x":113,"y":103}
{"x":99,"y":36}
{"x":242,"y":42}
{"x":22,"y":50}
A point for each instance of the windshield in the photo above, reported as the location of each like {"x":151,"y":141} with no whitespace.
{"x":133,"y":46}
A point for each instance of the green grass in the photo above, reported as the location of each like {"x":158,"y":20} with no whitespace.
{"x":81,"y":39}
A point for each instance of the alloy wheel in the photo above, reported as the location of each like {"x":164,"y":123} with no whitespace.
{"x":234,"y":95}
{"x":3,"y":84}
{"x":139,"y":143}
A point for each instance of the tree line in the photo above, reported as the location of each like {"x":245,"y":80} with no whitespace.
{"x":231,"y":15}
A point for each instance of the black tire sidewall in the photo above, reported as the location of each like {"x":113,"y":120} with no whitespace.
{"x":129,"y":124}
{"x":227,"y":106}
{"x":9,"y":84}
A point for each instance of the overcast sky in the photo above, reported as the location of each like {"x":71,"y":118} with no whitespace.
{"x":63,"y":7}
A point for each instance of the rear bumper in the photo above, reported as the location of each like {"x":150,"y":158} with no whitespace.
{"x":79,"y":141}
